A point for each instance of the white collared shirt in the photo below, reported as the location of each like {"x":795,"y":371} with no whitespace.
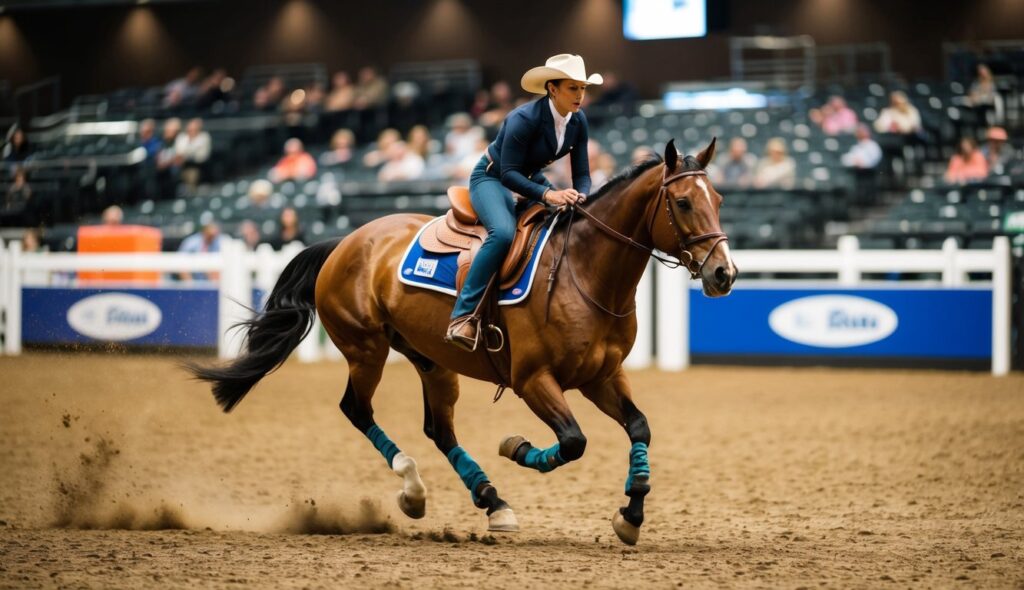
{"x":560,"y":124}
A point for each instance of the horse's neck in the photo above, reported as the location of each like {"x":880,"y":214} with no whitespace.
{"x":613,"y":268}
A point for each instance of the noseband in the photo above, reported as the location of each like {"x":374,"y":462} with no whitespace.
{"x":685,"y":257}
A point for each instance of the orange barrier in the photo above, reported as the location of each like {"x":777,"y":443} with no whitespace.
{"x":93,"y":239}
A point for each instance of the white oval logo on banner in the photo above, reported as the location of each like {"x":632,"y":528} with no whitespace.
{"x":833,"y":321}
{"x":114,"y":316}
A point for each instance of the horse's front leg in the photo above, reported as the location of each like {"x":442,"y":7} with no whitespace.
{"x":615,"y":399}
{"x":545,"y":397}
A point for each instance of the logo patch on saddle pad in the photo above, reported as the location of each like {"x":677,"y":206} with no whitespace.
{"x":436,"y":272}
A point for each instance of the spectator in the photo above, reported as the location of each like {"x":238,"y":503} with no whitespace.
{"x":148,"y":139}
{"x":419,"y":141}
{"x":31,"y":241}
{"x":167,"y":167}
{"x":249,"y":234}
{"x":642,"y":154}
{"x":605,"y":168}
{"x":598,"y":175}
{"x":481,"y":102}
{"x":462,"y":138}
{"x":967,"y":164}
{"x":998,"y":153}
{"x":192,"y":150}
{"x":900,"y":117}
{"x":462,"y":169}
{"x":616,"y":93}
{"x":17,"y":148}
{"x":371,"y":91}
{"x":304,"y":100}
{"x":112,"y":215}
{"x":865,"y":154}
{"x":501,"y":104}
{"x":738,"y":168}
{"x":183,"y":90}
{"x":17,"y":201}
{"x":295,"y":164}
{"x":208,"y":239}
{"x":215,"y":88}
{"x":834,"y":117}
{"x":270,"y":95}
{"x":378,"y":154}
{"x":776,"y":169}
{"x":402,"y":164}
{"x":343,"y":144}
{"x":290,"y":230}
{"x":343,"y":94}
{"x":983,"y":96}
{"x":259,"y":193}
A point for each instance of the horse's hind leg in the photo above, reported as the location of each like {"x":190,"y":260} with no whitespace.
{"x":441,"y":390}
{"x":366,"y":363}
{"x":613,"y":397}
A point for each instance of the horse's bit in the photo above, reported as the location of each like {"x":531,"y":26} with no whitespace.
{"x":690,"y":262}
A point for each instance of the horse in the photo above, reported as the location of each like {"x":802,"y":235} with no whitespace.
{"x":574,"y":337}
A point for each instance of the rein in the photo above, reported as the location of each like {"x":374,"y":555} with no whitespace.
{"x":690,"y":262}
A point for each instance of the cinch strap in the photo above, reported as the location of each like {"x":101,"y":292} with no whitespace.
{"x":639,"y":466}
{"x":382,"y":443}
{"x":468,"y":470}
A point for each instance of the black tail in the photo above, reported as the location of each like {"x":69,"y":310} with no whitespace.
{"x":273,"y":334}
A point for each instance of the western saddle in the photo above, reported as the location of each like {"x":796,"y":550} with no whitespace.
{"x":461,"y":232}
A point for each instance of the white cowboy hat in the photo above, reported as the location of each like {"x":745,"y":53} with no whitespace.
{"x":558,"y":67}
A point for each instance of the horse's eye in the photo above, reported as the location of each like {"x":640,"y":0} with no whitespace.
{"x":684,"y":204}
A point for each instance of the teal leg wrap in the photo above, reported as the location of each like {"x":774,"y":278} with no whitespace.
{"x":543,"y":460}
{"x":468,"y":470}
{"x":382,"y":443}
{"x":639,"y":466}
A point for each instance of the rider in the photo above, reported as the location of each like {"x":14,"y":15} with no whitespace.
{"x":532,"y":136}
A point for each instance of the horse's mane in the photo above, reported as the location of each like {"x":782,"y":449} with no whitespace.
{"x":632,"y":172}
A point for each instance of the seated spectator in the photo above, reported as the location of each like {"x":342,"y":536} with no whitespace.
{"x":462,"y":138}
{"x":148,"y":139}
{"x":112,"y":215}
{"x":249,"y":234}
{"x":643,"y":154}
{"x":295,"y":164}
{"x":378,"y":155}
{"x":501,"y":105}
{"x":900,"y":117}
{"x":615,"y":92}
{"x":865,"y":154}
{"x":998,"y":153}
{"x":343,"y":145}
{"x":167,"y":167}
{"x":183,"y":90}
{"x":738,"y":168}
{"x":191,"y":151}
{"x":835,"y":117}
{"x":259,"y":193}
{"x":16,"y":203}
{"x":967,"y":164}
{"x":371,"y":91}
{"x":342,"y":95}
{"x":481,"y":102}
{"x":205,"y":240}
{"x":983,"y":96}
{"x":215,"y":88}
{"x":419,"y":141}
{"x":462,"y":169}
{"x":776,"y":169}
{"x":270,"y":95}
{"x":31,"y":241}
{"x":17,"y":148}
{"x":402,"y":164}
{"x":290,"y":230}
{"x":603,"y":170}
{"x":304,"y":100}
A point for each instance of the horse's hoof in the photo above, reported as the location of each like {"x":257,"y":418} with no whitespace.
{"x":628,"y":533}
{"x":510,"y":444}
{"x":412,"y":507}
{"x":503,"y":521}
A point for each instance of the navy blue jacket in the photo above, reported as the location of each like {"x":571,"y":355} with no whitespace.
{"x":526,"y":143}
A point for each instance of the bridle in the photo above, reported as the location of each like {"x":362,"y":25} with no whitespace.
{"x":685,"y":257}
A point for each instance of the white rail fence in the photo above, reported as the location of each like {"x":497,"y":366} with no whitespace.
{"x":240,"y":271}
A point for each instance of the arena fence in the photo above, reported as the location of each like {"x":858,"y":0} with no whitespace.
{"x":932,"y":306}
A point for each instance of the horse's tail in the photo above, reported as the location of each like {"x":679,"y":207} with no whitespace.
{"x":273,"y":334}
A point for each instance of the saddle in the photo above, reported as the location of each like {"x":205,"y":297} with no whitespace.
{"x":461,"y":232}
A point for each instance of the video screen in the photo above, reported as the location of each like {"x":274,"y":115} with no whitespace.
{"x":664,"y":19}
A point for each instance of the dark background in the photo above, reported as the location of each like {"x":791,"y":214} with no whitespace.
{"x":96,"y":49}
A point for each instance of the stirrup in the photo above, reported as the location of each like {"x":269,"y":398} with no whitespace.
{"x":467,"y":344}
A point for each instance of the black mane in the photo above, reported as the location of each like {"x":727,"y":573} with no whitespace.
{"x":688,"y":163}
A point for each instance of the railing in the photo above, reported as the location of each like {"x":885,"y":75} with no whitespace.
{"x":667,"y":305}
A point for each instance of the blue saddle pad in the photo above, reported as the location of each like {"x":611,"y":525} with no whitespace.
{"x":436,"y":272}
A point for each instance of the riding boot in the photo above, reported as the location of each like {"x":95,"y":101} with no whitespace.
{"x":463,"y":332}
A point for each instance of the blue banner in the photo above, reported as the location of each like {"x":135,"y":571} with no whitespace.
{"x":150,"y":317}
{"x":950,"y":323}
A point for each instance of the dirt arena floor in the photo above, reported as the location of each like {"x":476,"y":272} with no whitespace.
{"x":118,"y":472}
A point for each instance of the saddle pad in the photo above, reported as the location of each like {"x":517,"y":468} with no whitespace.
{"x":436,"y":272}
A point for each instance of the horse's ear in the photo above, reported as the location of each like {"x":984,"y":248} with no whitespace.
{"x":671,"y":155}
{"x":704,"y":158}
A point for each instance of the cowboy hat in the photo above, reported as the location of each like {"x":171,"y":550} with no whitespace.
{"x":558,"y":67}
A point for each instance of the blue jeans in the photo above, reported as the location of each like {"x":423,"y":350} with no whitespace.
{"x":496,"y":208}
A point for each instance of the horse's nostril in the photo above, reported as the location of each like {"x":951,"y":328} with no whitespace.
{"x":721,"y":275}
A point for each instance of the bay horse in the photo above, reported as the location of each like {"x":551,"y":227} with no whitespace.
{"x":573,"y":337}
